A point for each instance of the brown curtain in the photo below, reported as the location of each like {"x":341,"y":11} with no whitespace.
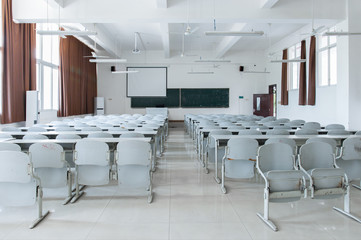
{"x":19,"y":65}
{"x":78,"y":83}
{"x":284,"y":80}
{"x":302,"y":87}
{"x":312,"y":73}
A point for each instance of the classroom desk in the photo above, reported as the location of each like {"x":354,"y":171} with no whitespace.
{"x":222,"y":140}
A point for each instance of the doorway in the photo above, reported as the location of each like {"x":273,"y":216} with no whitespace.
{"x":266,"y":104}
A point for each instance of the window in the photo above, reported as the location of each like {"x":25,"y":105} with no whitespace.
{"x":327,"y":60}
{"x":47,"y":55}
{"x":1,"y":60}
{"x":294,"y":52}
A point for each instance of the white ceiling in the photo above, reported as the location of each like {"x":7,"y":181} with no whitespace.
{"x":162,"y":23}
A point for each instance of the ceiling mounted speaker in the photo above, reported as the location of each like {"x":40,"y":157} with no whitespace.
{"x":112,"y":69}
{"x":241,"y":68}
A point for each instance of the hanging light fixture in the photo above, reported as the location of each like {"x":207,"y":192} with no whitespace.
{"x":136,"y":50}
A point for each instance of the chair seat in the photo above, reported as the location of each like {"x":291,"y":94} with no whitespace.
{"x":284,"y":180}
{"x":93,"y":175}
{"x":18,"y":194}
{"x":324,"y":178}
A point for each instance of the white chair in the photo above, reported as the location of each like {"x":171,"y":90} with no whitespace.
{"x":134,"y":165}
{"x":358,"y":133}
{"x":326,"y":179}
{"x":350,"y":159}
{"x":330,"y":141}
{"x":18,"y":186}
{"x":100,"y":135}
{"x":5,"y":135}
{"x":288,"y":141}
{"x":338,"y":132}
{"x":92,"y":165}
{"x":117,"y":129}
{"x":306,"y":131}
{"x":283,"y":120}
{"x":312,"y":125}
{"x":131,"y":135}
{"x":278,"y":132}
{"x":49,"y":165}
{"x":282,"y":127}
{"x":41,"y":125}
{"x":4,"y":146}
{"x":239,"y":159}
{"x":335,"y":126}
{"x":36,"y":129}
{"x":249,"y":132}
{"x":10,"y":129}
{"x":283,"y":183}
{"x":33,"y":136}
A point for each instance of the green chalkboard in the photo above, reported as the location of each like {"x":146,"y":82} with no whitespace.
{"x":205,"y":97}
{"x":170,"y":101}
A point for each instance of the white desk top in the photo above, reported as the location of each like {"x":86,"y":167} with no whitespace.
{"x":73,"y":141}
{"x":55,"y":133}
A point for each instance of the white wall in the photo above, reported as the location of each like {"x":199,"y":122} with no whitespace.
{"x":226,"y":75}
{"x":331,"y":101}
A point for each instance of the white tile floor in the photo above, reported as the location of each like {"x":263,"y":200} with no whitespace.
{"x":188,"y":204}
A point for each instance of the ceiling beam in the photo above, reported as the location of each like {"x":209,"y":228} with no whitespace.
{"x":228,"y":42}
{"x":164,"y":29}
{"x":268,"y":3}
{"x":162,"y":3}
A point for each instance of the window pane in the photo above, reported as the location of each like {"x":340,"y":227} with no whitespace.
{"x":47,"y":91}
{"x":323,"y":68}
{"x":324,"y":41}
{"x":333,"y":40}
{"x":291,"y":52}
{"x":47,"y":48}
{"x":294,"y":76}
{"x":55,"y":52}
{"x":298,"y":50}
{"x":333,"y":65}
{"x":55,"y":88}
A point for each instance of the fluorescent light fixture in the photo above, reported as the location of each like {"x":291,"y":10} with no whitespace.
{"x":66,"y":33}
{"x":212,"y":60}
{"x":234,"y":33}
{"x":342,"y":33}
{"x":125,"y":71}
{"x":200,"y":72}
{"x":288,"y":61}
{"x":107,"y":60}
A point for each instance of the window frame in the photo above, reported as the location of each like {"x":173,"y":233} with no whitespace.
{"x":320,"y":50}
{"x":291,"y":65}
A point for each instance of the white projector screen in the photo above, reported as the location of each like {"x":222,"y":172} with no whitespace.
{"x":147,"y":82}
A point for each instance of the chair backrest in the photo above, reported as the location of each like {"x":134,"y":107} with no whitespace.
{"x":351,"y":148}
{"x":330,"y":141}
{"x":282,"y":127}
{"x":34,"y":136}
{"x":272,"y":124}
{"x":242,"y":148}
{"x":131,"y":135}
{"x":338,"y":132}
{"x":283,"y":120}
{"x":47,"y":155}
{"x":10,"y":129}
{"x":358,"y":133}
{"x":249,"y":132}
{"x":235,"y":128}
{"x":90,"y":152}
{"x":68,"y":136}
{"x":312,"y":125}
{"x":249,"y":124}
{"x":4,"y":146}
{"x":104,"y":125}
{"x":91,"y":129}
{"x":288,"y":141}
{"x":316,"y":155}
{"x":211,"y":141}
{"x":65,"y":129}
{"x":298,"y":122}
{"x":143,"y":129}
{"x":40,"y":125}
{"x":277,"y":132}
{"x":14,"y":167}
{"x":133,"y":152}
{"x":36,"y":129}
{"x":80,"y":125}
{"x":5,"y":135}
{"x":275,"y":156}
{"x":306,"y":132}
{"x":335,"y":126}
{"x":259,"y":127}
{"x":100,"y":135}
